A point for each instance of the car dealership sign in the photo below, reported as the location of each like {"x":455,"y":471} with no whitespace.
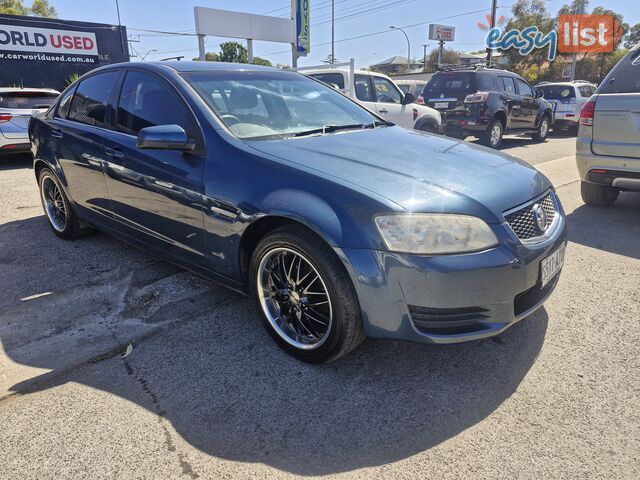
{"x":44,"y":40}
{"x":442,"y":33}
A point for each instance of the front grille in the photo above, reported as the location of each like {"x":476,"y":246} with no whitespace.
{"x":443,"y":321}
{"x":523,"y":222}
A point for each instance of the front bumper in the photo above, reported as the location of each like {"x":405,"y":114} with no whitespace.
{"x":451,"y":298}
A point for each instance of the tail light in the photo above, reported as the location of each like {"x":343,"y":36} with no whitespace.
{"x":479,"y":97}
{"x":586,"y":114}
{"x":420,"y":100}
{"x":4,"y":117}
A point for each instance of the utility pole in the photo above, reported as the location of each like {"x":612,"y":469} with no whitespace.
{"x":294,"y":48}
{"x":122,"y":39}
{"x":574,"y":56}
{"x":494,"y":7}
{"x":440,"y":51}
{"x":424,"y":57}
{"x":333,"y":31}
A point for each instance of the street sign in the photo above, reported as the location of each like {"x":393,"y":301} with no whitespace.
{"x":303,"y":27}
{"x":442,"y":33}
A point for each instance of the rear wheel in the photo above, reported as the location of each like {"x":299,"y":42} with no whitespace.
{"x":493,"y":136}
{"x":57,"y":208}
{"x":304,"y":297}
{"x":598,"y":195}
{"x":543,"y":130}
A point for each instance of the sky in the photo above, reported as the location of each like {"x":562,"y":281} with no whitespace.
{"x":353,"y":18}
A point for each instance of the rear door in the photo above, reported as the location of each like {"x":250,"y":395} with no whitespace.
{"x":79,"y":132}
{"x":389,"y":102}
{"x":513,"y":103}
{"x":156,"y":194}
{"x":616,"y":121}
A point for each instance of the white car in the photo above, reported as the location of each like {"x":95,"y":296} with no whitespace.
{"x":568,"y":98}
{"x":378,"y":93}
{"x":16,"y":107}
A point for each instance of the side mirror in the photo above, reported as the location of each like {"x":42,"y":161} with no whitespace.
{"x":539,"y":93}
{"x":165,"y":137}
{"x":408,"y":98}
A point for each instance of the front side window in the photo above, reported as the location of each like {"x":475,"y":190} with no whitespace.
{"x":523,"y":88}
{"x":256,"y":104}
{"x":386,"y":91}
{"x":147,"y":101}
{"x":89,"y":104}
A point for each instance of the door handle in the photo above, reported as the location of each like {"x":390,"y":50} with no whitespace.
{"x":56,"y":134}
{"x":384,"y":110}
{"x":113,"y":153}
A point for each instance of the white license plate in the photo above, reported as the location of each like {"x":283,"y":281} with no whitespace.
{"x":551,"y":265}
{"x":441,"y":105}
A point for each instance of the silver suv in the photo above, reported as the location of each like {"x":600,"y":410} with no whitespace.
{"x":16,"y":107}
{"x":608,"y":143}
{"x":567,"y":99}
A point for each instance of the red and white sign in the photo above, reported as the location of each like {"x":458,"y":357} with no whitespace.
{"x":30,"y":39}
{"x":588,"y":33}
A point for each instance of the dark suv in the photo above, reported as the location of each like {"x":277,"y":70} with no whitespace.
{"x":487,"y":103}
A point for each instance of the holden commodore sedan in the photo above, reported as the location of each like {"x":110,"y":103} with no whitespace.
{"x":339,"y":224}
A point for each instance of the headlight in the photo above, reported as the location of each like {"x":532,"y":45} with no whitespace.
{"x":434,"y":233}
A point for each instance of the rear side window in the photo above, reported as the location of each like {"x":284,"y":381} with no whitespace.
{"x":508,"y":84}
{"x":386,"y":91}
{"x":625,"y":76}
{"x":27,"y":100}
{"x":364,"y":91}
{"x":335,"y":80}
{"x":586,"y":91}
{"x":65,"y":103}
{"x":485,"y":82}
{"x":89,"y":104}
{"x":404,"y":88}
{"x":146,"y":101}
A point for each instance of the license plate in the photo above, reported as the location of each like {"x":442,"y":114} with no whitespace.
{"x":551,"y":265}
{"x":441,"y":105}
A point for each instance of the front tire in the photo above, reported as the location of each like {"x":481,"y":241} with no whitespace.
{"x":304,"y":297}
{"x":598,"y":195}
{"x":493,"y":136}
{"x":57,"y":208}
{"x":543,"y":130}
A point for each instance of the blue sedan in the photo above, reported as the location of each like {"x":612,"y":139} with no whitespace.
{"x":339,"y":224}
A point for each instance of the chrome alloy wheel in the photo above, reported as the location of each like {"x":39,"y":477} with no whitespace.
{"x":496,"y":130}
{"x":544,"y":128}
{"x":53,"y":203}
{"x":294,"y":298}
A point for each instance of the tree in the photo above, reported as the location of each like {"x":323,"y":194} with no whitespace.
{"x":41,"y":8}
{"x":527,"y":13}
{"x":448,"y":57}
{"x":13,"y":7}
{"x":330,"y":59}
{"x":233,"y":52}
{"x":633,"y":36}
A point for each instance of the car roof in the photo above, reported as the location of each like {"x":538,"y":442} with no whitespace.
{"x":191,"y":66}
{"x":28,"y":89}
{"x":567,"y":84}
{"x":314,"y":71}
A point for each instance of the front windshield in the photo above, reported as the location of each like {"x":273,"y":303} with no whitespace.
{"x":272,"y":104}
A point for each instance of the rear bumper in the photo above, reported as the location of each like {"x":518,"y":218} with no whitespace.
{"x":7,"y":148}
{"x":621,"y":172}
{"x":451,"y":298}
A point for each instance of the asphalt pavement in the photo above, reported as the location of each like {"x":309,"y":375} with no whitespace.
{"x":204,"y":392}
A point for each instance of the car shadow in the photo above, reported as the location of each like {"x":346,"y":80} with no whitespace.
{"x":614,"y":229}
{"x":18,"y":161}
{"x":227,"y":390}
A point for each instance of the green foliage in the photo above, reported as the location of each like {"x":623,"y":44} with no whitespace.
{"x":633,"y":36}
{"x":233,"y":52}
{"x":39,"y":8}
{"x":71,"y":78}
{"x":448,"y":57}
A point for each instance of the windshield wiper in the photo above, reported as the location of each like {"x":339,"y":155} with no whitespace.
{"x":335,"y":128}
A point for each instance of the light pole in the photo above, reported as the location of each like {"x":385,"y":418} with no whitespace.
{"x":145,"y":55}
{"x":408,"y":46}
{"x":333,"y":31}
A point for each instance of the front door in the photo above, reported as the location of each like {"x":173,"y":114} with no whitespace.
{"x":79,"y":126}
{"x":529,"y":103}
{"x":156,"y":194}
{"x":364,"y":91}
{"x":513,"y":103}
{"x":389,"y":102}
